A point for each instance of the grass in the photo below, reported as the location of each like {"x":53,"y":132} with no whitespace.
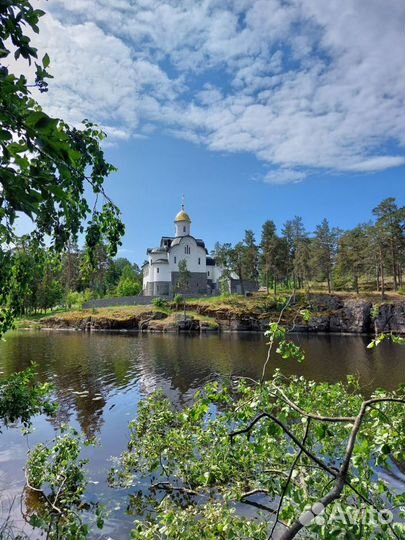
{"x":174,"y":316}
{"x":205,"y":309}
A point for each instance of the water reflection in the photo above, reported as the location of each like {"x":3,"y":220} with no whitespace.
{"x":99,"y":378}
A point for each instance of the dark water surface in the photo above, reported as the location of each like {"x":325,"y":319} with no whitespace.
{"x":118,"y":369}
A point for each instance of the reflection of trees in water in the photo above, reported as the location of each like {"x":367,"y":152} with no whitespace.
{"x":101,"y":363}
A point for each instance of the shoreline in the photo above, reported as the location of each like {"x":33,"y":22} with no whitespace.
{"x":331,"y":314}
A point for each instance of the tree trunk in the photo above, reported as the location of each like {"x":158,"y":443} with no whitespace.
{"x":382,"y":274}
{"x":394,"y":265}
{"x":329,"y":286}
{"x":242,"y":286}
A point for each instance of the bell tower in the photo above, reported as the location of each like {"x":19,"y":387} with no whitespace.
{"x":183,"y":222}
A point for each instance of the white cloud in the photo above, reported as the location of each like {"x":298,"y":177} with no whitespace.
{"x":378,"y":163}
{"x":284,"y":176}
{"x":303,"y":84}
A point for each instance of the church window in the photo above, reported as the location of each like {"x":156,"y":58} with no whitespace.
{"x":175,"y":260}
{"x":157,"y":270}
{"x":184,"y":228}
{"x":208,"y":272}
{"x":187,"y":250}
{"x":199,"y":260}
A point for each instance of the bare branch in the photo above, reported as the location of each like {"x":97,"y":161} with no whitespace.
{"x":290,"y":434}
{"x":167,"y":486}
{"x":343,"y":419}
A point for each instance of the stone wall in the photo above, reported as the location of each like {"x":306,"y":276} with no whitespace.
{"x":133,"y":300}
{"x":120,"y":301}
{"x":249,"y":286}
{"x":160,"y":288}
{"x":197,"y":283}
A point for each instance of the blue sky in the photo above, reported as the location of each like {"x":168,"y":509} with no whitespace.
{"x":254,"y":109}
{"x":224,"y":196}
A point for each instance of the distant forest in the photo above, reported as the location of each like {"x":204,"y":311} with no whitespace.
{"x":370,"y":257}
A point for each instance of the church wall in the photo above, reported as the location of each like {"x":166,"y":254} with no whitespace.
{"x":159,"y":272}
{"x":196,"y":252}
{"x":215,"y":272}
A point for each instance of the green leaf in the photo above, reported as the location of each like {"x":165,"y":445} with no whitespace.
{"x":46,"y":60}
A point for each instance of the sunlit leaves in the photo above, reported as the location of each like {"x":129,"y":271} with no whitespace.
{"x":47,"y":168}
{"x":21,"y":397}
{"x":398,"y":340}
{"x":58,"y":472}
{"x":194,"y":464}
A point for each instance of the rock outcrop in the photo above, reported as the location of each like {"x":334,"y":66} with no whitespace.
{"x":389,"y":317}
{"x":330,"y":313}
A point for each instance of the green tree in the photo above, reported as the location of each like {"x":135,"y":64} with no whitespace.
{"x":116,"y":269}
{"x":183,"y":279}
{"x":250,"y":257}
{"x":128,"y":284}
{"x":293,"y":232}
{"x":94,"y":276}
{"x":222,"y":256}
{"x":324,"y":251}
{"x":302,"y":262}
{"x":352,"y":256}
{"x":47,"y":170}
{"x":46,"y":166}
{"x":241,"y":259}
{"x":70,"y":270}
{"x":297,"y":444}
{"x":267,"y":249}
{"x":390,"y":239}
{"x":280,"y":263}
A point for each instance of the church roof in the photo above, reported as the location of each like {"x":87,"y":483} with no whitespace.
{"x":156,"y":250}
{"x":200,"y":243}
{"x":165,"y":242}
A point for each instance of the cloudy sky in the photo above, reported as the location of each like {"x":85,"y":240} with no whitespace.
{"x":255,"y":109}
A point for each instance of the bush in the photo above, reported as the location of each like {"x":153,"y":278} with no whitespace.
{"x":159,"y":302}
{"x":178,"y":299}
{"x":76,"y":299}
{"x":128,"y":287}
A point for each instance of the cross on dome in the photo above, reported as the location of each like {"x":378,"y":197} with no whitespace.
{"x":182,"y":215}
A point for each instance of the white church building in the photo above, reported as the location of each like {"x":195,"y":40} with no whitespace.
{"x":161,"y":275}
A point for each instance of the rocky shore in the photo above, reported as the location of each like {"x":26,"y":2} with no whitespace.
{"x":330,"y":313}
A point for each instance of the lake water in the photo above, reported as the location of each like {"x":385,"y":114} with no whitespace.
{"x":118,"y":369}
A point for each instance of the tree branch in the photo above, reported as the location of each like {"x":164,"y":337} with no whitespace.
{"x":297,"y":457}
{"x":290,"y":434}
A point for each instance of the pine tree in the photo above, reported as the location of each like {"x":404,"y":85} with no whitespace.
{"x":293,"y":232}
{"x":324,"y":251}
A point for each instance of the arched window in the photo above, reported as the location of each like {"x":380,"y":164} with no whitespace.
{"x":184,"y":228}
{"x":199,"y":260}
{"x":187,"y":250}
{"x":175,"y":260}
{"x":157,"y":270}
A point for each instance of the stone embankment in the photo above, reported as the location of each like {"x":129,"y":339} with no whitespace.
{"x":334,"y":314}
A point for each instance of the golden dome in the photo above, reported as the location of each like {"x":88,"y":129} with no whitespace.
{"x":182,"y":216}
